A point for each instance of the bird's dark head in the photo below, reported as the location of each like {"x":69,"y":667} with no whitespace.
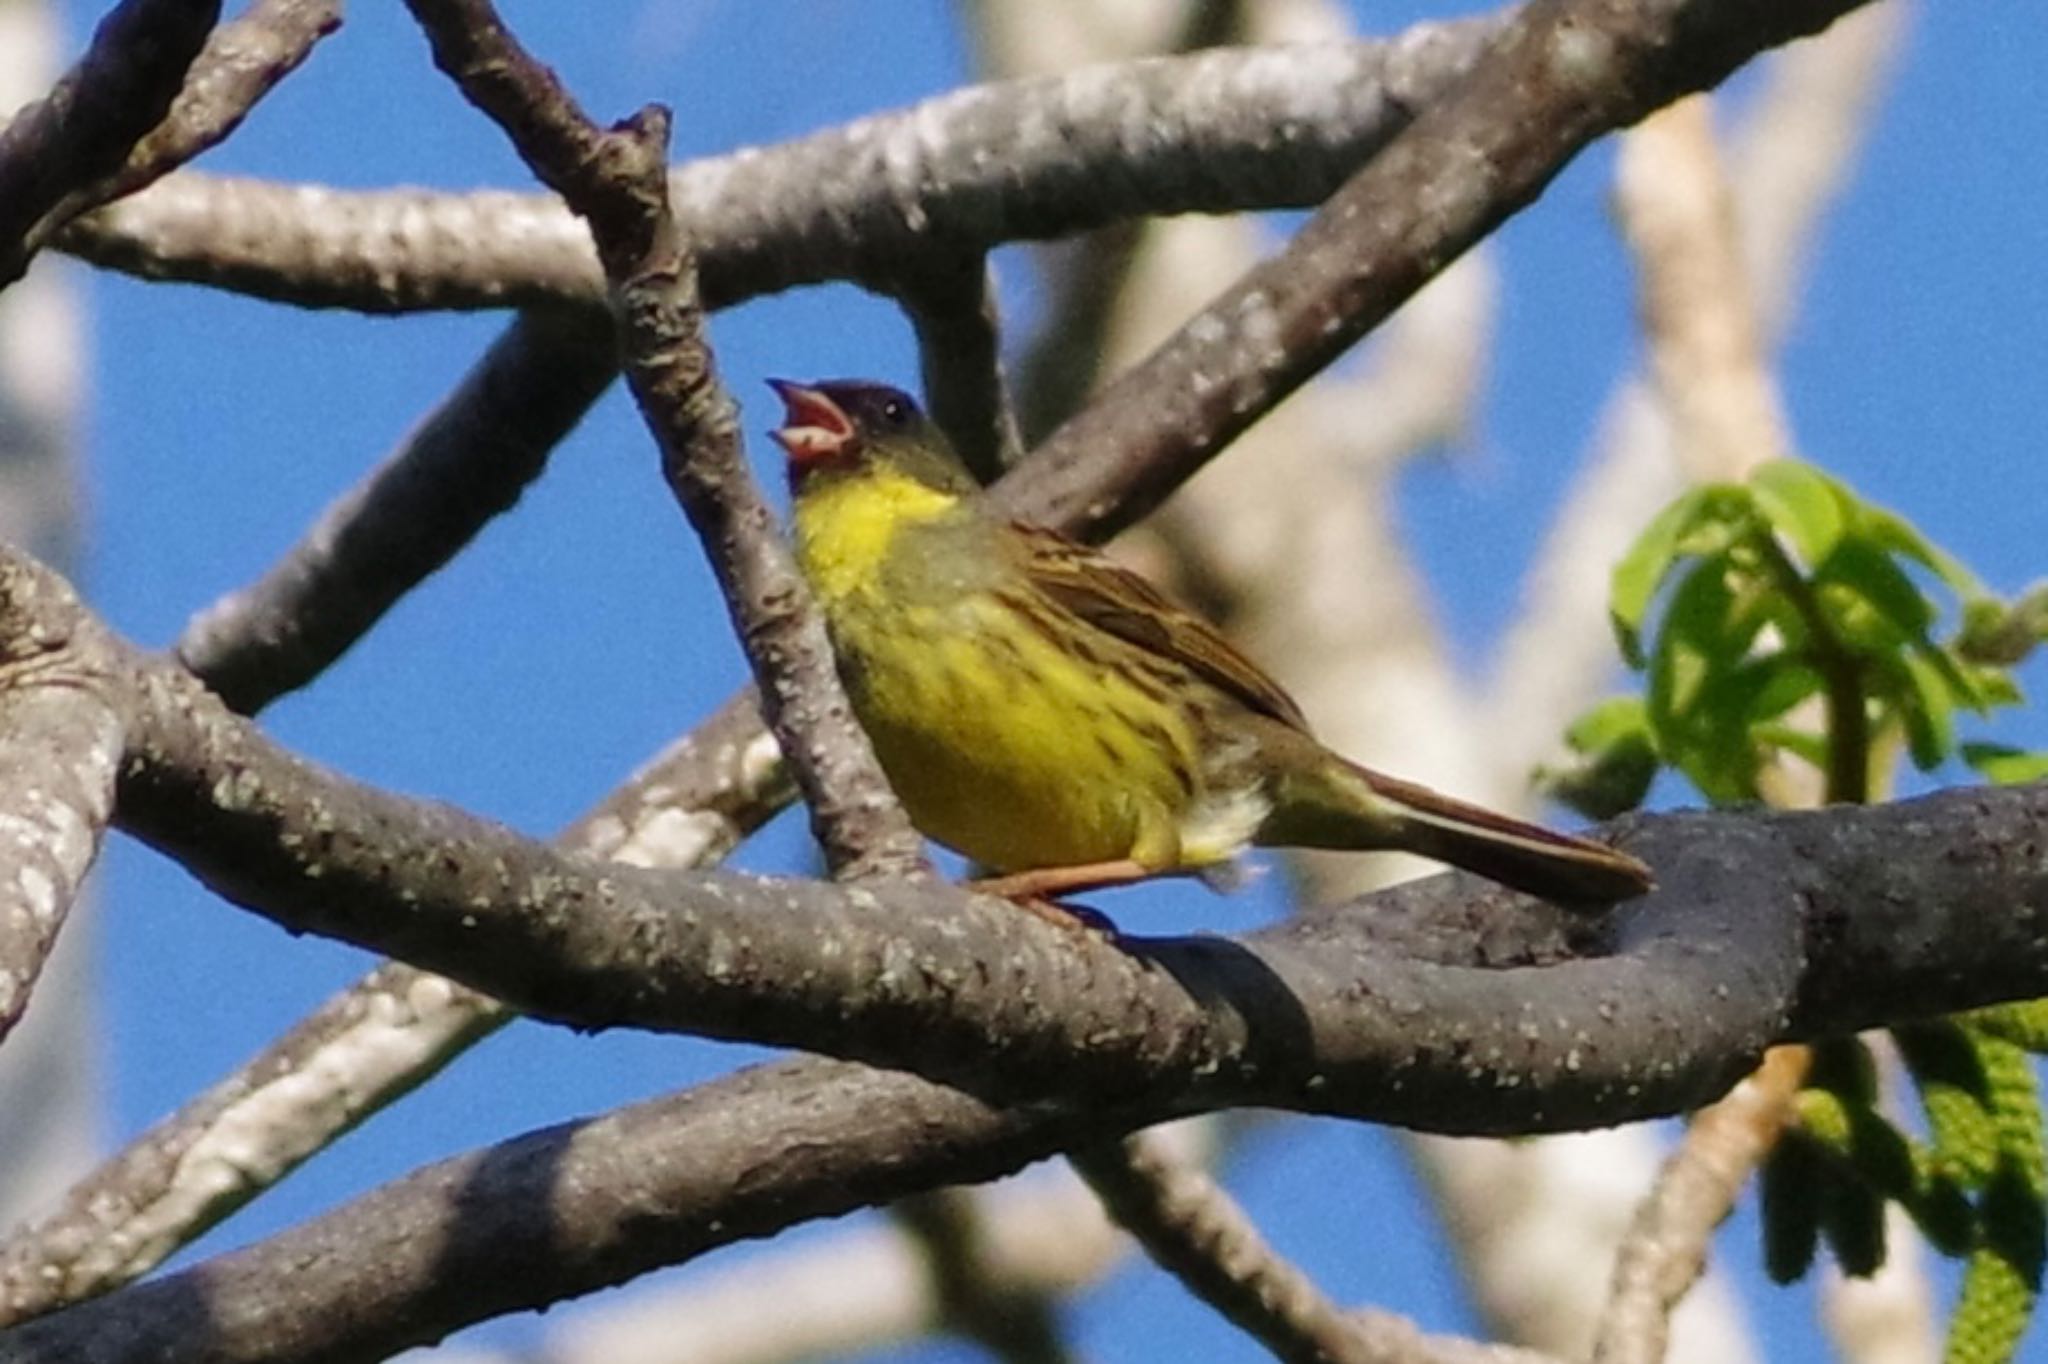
{"x":854,"y":426}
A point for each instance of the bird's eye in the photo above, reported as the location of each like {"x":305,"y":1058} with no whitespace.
{"x":895,"y":412}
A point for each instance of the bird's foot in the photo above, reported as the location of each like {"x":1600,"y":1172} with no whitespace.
{"x":1040,"y":892}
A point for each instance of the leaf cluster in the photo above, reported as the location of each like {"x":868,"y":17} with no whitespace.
{"x":1786,"y":619}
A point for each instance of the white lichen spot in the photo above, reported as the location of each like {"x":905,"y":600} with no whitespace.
{"x":38,"y":892}
{"x":672,"y":838}
{"x":1581,"y":56}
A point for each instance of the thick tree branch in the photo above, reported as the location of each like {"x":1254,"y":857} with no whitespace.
{"x":1562,"y":73}
{"x":466,"y":462}
{"x":1439,"y":1003}
{"x":60,"y":743}
{"x":85,"y":128}
{"x":953,"y":175}
{"x":1349,"y":1010}
{"x":362,"y":1049}
{"x":616,"y":181}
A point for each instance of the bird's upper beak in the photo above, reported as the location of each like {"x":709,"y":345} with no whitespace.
{"x":815,"y":428}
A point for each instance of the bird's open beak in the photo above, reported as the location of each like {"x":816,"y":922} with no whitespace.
{"x":814,"y":427}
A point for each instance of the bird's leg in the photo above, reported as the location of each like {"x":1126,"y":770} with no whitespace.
{"x":1034,"y":891}
{"x":1044,"y":883}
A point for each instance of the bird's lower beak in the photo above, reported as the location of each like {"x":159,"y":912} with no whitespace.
{"x":814,"y":427}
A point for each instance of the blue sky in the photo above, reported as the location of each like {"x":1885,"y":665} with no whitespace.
{"x":583,"y":631}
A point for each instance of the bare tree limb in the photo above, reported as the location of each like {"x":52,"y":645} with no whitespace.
{"x":62,"y":744}
{"x":85,"y":128}
{"x":952,"y":306}
{"x":466,"y":462}
{"x":868,"y":1285}
{"x":1196,"y":1230}
{"x":1665,"y":1250}
{"x":242,"y":61}
{"x":1340,"y":1011}
{"x":951,"y":176}
{"x":1562,"y":73}
{"x":616,"y":181}
{"x":361,"y":1050}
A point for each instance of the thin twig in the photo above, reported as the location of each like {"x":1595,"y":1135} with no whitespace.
{"x":1195,"y":1229}
{"x":85,"y":128}
{"x":617,"y":181}
{"x":1015,"y":1323}
{"x":243,"y":60}
{"x":953,"y":309}
{"x":1665,"y":1248}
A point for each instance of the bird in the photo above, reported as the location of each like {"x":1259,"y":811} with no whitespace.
{"x":1052,"y":716}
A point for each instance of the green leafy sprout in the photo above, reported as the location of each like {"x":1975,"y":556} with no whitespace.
{"x":1785,"y":621}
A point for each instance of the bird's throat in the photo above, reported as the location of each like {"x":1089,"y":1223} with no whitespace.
{"x":846,"y":526}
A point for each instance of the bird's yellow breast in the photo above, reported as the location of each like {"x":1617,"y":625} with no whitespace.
{"x":1004,"y":744}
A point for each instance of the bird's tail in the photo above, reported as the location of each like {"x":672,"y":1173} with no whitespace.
{"x":1347,"y":807}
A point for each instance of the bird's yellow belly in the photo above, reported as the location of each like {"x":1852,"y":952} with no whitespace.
{"x":1009,"y":750}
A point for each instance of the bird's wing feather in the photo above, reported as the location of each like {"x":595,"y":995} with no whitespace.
{"x":1099,"y":593}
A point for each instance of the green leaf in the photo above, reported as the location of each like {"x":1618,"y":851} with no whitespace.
{"x":2005,"y":765}
{"x":1926,"y":704}
{"x":1895,"y":535}
{"x":1606,"y":723}
{"x":1614,"y":760}
{"x":1802,"y":504}
{"x":1864,"y":569}
{"x":2003,"y":634}
{"x":1700,"y":521}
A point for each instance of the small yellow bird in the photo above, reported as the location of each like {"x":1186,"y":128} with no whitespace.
{"x":1050,"y":715}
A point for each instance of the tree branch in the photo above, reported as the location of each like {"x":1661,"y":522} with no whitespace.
{"x":1348,"y":1010}
{"x":953,"y":175}
{"x":241,"y":62}
{"x":60,"y":743}
{"x":1198,"y":1232}
{"x":952,"y":305}
{"x":85,"y":128}
{"x":1561,"y":73}
{"x":616,"y":181}
{"x":363,"y":1049}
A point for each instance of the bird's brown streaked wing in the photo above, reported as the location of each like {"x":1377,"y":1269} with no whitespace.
{"x":1100,"y":593}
